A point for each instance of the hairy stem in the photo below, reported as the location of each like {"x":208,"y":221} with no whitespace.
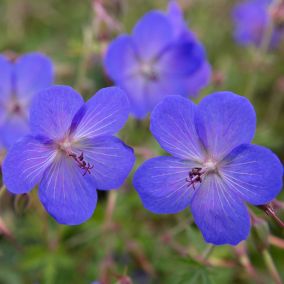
{"x":268,"y":209}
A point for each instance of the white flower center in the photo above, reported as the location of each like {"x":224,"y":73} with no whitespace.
{"x":210,"y":166}
{"x":147,"y":70}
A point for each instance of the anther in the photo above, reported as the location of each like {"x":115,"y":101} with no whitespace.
{"x":82,"y":164}
{"x":81,"y":157}
{"x":194,"y":176}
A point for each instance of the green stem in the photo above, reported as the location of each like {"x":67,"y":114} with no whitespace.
{"x":111,"y":203}
{"x":86,"y":49}
{"x":271,"y":266}
{"x":250,"y":88}
{"x":2,"y":190}
{"x":207,"y":252}
{"x":274,"y":108}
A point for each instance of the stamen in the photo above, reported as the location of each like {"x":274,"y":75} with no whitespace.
{"x":194,"y":176}
{"x":82,"y":164}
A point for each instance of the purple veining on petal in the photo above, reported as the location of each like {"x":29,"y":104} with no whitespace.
{"x":71,"y":151}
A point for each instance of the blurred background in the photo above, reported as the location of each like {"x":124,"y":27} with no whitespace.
{"x":122,"y":242}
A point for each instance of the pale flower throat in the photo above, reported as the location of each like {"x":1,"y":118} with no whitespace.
{"x":65,"y":146}
{"x":147,"y":70}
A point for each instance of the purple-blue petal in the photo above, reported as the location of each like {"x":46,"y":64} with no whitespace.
{"x":162,"y":186}
{"x":12,"y":129}
{"x":152,"y":33}
{"x":175,"y":15}
{"x":135,"y":88}
{"x":25,"y":164}
{"x":121,"y":59}
{"x":6,"y":71}
{"x":199,"y":80}
{"x":182,"y":58}
{"x":33,"y":72}
{"x":110,"y":158}
{"x":105,"y":114}
{"x":173,"y":125}
{"x":220,"y":214}
{"x":254,"y":173}
{"x":52,"y":111}
{"x":156,"y":91}
{"x":68,"y":196}
{"x":225,"y":121}
{"x":145,"y":94}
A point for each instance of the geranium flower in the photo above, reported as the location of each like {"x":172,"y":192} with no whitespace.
{"x":154,"y":62}
{"x":213,"y":169}
{"x":19,"y":81}
{"x":71,"y":151}
{"x":251,"y":19}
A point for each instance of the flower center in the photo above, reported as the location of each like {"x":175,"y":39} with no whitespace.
{"x":147,"y":70}
{"x":66,"y":147}
{"x":197,"y":174}
{"x":15,"y":107}
{"x":210,"y":166}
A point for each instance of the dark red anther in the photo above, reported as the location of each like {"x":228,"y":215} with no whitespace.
{"x":82,"y":164}
{"x":81,"y":157}
{"x":194,"y":176}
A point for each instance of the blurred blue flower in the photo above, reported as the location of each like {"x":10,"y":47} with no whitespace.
{"x":214,"y":169}
{"x":19,"y":81}
{"x":251,"y":19}
{"x":71,"y":151}
{"x":161,"y":57}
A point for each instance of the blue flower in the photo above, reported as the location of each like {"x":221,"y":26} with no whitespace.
{"x":161,"y":57}
{"x":19,"y":81}
{"x":71,"y":151}
{"x":213,"y":169}
{"x":251,"y":20}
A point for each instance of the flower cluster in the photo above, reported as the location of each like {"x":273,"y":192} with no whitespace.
{"x":67,"y":147}
{"x":161,"y":57}
{"x":213,"y":170}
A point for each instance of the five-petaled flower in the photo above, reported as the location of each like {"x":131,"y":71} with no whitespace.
{"x":252,"y":20}
{"x":214,"y":169}
{"x":71,"y":151}
{"x":161,"y":57}
{"x":19,"y":81}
